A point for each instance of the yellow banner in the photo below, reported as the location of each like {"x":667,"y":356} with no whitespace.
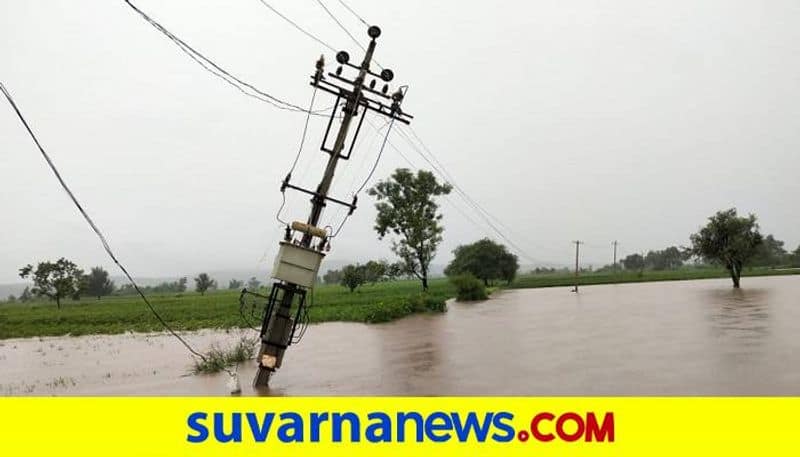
{"x":400,"y":426}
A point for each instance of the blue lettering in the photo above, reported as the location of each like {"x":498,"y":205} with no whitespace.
{"x":316,"y":422}
{"x":384,"y":425}
{"x":260,"y":431}
{"x":293,"y":422}
{"x":445,"y":425}
{"x":402,"y":418}
{"x":355,"y":428}
{"x":193,"y":421}
{"x":471,"y":424}
{"x":236,"y":428}
{"x":498,"y":423}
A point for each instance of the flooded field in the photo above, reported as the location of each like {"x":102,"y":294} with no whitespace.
{"x":669,"y":338}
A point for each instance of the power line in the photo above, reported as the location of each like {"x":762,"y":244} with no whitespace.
{"x":447,"y":197}
{"x":378,"y":158}
{"x":485,"y":215}
{"x":341,"y":26}
{"x":296,"y":26}
{"x":354,"y":13}
{"x":452,"y":180}
{"x":94,"y":226}
{"x":369,"y":176}
{"x":215,"y":69}
{"x":297,"y":156}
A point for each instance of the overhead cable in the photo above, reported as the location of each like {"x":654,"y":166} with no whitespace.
{"x":215,"y":69}
{"x":94,"y":226}
{"x":296,"y":26}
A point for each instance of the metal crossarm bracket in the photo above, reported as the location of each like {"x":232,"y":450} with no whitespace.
{"x":320,"y":196}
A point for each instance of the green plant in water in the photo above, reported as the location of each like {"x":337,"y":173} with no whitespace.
{"x":219,"y":359}
{"x":468,"y":287}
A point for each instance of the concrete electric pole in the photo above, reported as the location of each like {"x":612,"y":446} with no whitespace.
{"x":302,"y":250}
{"x":577,"y":268}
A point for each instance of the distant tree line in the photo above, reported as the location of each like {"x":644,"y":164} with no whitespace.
{"x":374,"y":271}
{"x":670,"y":258}
{"x":63,"y":279}
{"x":769,"y":252}
{"x":166,"y":287}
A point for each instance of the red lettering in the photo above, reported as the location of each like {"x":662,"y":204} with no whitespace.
{"x":545,"y":437}
{"x":597,"y":432}
{"x":563,"y":434}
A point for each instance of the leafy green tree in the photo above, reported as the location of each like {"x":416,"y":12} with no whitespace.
{"x":26,"y":295}
{"x":395,"y":270}
{"x":406,"y":208}
{"x":670,"y":258}
{"x":55,"y":280}
{"x":509,"y":266}
{"x":332,"y":277}
{"x":634,"y":262}
{"x":235,"y":284}
{"x":181,"y":284}
{"x":253,"y":284}
{"x":485,"y":260}
{"x":468,"y":287}
{"x":352,"y":276}
{"x":203,"y":282}
{"x":729,"y":240}
{"x":770,"y":253}
{"x":11,"y":298}
{"x":375,"y":271}
{"x":98,"y":283}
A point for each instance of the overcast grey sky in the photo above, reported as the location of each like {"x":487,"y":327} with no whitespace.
{"x":595,"y":120}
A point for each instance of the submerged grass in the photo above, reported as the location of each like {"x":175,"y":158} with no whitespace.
{"x":218,"y":358}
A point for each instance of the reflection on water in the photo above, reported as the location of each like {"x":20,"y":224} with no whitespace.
{"x":670,"y":338}
{"x":739,"y":316}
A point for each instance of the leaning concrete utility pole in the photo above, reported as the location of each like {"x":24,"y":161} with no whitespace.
{"x":302,"y":249}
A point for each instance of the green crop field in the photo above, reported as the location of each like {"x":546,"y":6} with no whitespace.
{"x":220,"y":309}
{"x":682,"y":274}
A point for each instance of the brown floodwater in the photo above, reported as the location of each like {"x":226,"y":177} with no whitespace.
{"x":668,"y":338}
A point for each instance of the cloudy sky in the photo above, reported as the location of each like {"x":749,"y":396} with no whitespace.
{"x":595,"y":120}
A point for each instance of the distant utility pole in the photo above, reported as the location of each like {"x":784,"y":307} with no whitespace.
{"x":299,"y":257}
{"x":578,"y":244}
{"x":615,"y":243}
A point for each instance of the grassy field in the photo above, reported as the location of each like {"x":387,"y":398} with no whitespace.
{"x":561,"y":279}
{"x":371,"y":303}
{"x":220,"y":309}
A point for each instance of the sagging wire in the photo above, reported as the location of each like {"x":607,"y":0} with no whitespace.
{"x":347,"y":7}
{"x":97,"y":231}
{"x":243,"y":306}
{"x":216,"y":70}
{"x":341,"y":26}
{"x":363,"y":144}
{"x":304,"y":320}
{"x":296,"y":26}
{"x":297,"y":156}
{"x":369,"y":176}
